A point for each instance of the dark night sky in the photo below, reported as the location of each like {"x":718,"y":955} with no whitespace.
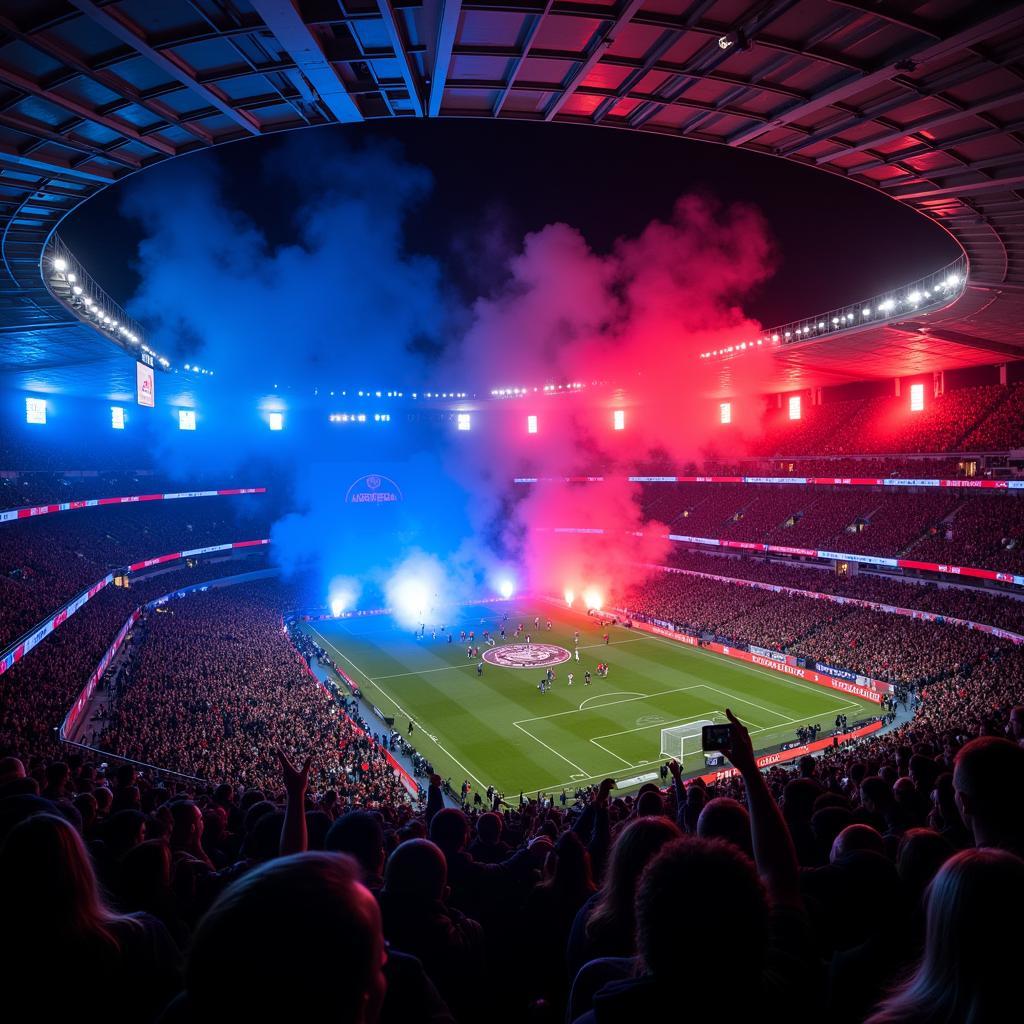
{"x":837,"y":242}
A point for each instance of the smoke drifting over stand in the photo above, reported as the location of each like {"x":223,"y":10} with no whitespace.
{"x":333,"y":296}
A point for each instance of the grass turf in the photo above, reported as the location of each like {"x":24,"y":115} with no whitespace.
{"x":498,"y":729}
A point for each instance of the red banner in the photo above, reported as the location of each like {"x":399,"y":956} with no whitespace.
{"x":794,"y":753}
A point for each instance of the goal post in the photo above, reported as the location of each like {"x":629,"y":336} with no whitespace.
{"x":679,"y":740}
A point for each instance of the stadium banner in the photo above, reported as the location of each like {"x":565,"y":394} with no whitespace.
{"x":890,"y":609}
{"x":839,"y":673}
{"x":765,"y":653}
{"x":821,"y":481}
{"x":872,"y":693}
{"x":839,"y":556}
{"x":30,"y":511}
{"x":795,"y":753}
{"x":22,"y":646}
{"x":144,"y":390}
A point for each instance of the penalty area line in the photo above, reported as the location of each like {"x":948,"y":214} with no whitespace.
{"x":526,"y":732}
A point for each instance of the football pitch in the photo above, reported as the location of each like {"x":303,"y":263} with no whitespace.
{"x":497,"y":729}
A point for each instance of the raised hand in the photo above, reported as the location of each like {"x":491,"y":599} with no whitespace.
{"x":296,"y":780}
{"x":740,"y":750}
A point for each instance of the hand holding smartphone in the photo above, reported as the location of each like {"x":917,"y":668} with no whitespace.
{"x":716,"y":737}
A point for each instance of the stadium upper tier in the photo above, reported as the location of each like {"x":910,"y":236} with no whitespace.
{"x":945,"y":526}
{"x":923,"y":107}
{"x":44,"y":562}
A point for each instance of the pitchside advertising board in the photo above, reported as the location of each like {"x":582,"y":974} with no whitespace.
{"x":145,"y":393}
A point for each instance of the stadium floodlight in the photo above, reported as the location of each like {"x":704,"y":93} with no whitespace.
{"x":886,"y":305}
{"x":276,"y":420}
{"x":794,"y":407}
{"x":462,"y":421}
{"x":117,"y":417}
{"x":35,"y":410}
{"x":679,"y":740}
{"x":619,"y":419}
{"x":916,"y":397}
{"x":506,"y":588}
{"x":60,"y":264}
{"x":914,"y":297}
{"x":952,"y":281}
{"x":186,"y":419}
{"x":725,"y":412}
{"x":592,"y":599}
{"x":77,"y":290}
{"x":531,"y":424}
{"x":865,"y":312}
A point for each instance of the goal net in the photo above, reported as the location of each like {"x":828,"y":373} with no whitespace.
{"x":680,"y":740}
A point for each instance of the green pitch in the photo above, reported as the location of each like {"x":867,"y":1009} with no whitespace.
{"x":498,"y":729}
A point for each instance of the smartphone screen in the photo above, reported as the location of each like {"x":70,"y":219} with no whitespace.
{"x":715,"y":737}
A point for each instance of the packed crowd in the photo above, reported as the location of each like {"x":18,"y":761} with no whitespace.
{"x":217,"y":686}
{"x":988,"y":533}
{"x":882,"y":646}
{"x":37,"y":692}
{"x":985,"y":530}
{"x":956,"y":600}
{"x":869,"y":882}
{"x":44,"y":562}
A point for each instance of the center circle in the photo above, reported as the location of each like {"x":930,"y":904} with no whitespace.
{"x":526,"y":655}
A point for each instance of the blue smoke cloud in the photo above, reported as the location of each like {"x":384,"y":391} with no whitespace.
{"x":327,"y":292}
{"x":334,"y":296}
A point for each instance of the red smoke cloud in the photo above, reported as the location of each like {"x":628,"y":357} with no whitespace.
{"x":605,"y":561}
{"x":637,"y":319}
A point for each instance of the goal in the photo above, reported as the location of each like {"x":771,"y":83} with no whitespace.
{"x":680,"y":740}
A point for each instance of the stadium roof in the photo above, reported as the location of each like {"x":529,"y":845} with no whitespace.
{"x":921,"y":101}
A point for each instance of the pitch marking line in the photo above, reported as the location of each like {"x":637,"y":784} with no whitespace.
{"x":526,"y":732}
{"x":628,"y":764}
{"x":743,"y":700}
{"x":628,"y":700}
{"x":613,"y":693}
{"x":667,"y":724}
{"x":399,"y":708}
{"x":426,"y":671}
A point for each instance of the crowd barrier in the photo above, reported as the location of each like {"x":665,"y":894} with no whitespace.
{"x":814,"y":481}
{"x":30,"y":511}
{"x":832,"y":556}
{"x":16,"y":651}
